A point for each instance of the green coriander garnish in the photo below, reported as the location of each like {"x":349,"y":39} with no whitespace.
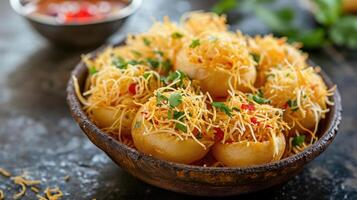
{"x":236,"y":109}
{"x":158,"y":52}
{"x":174,"y":76}
{"x":146,"y":41}
{"x":160,"y":98}
{"x":146,"y":74}
{"x":167,"y":65}
{"x":256,"y":57}
{"x":134,"y":62}
{"x":195,"y":43}
{"x":223,"y":108}
{"x":154,"y":63}
{"x":181,"y":127}
{"x":119,"y":62}
{"x":298,"y":140}
{"x":136,"y":53}
{"x":175,"y":99}
{"x":293,"y":105}
{"x":92,"y":70}
{"x":177,"y":35}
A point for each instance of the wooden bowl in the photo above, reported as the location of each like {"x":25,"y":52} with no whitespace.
{"x":197,"y":180}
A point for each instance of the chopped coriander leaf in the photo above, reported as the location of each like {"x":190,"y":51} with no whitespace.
{"x":146,"y":75}
{"x":195,"y":43}
{"x":178,"y":115}
{"x":167,"y":65}
{"x":169,"y":114}
{"x":298,"y":140}
{"x":223,"y":108}
{"x":160,"y":98}
{"x":256,"y":57}
{"x":181,"y":127}
{"x":119,"y":62}
{"x":173,"y":76}
{"x":158,"y":52}
{"x":177,"y":35}
{"x":136,"y":53}
{"x":175,"y":99}
{"x":135,"y":62}
{"x":293,"y":105}
{"x":236,"y":109}
{"x":146,"y":41}
{"x":92,"y":70}
{"x":173,"y":114}
{"x":259,"y":99}
{"x":154,"y":63}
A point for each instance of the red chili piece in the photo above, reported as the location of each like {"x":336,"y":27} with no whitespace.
{"x":218,"y":136}
{"x":132,"y":88}
{"x":249,"y":107}
{"x":254,"y":121}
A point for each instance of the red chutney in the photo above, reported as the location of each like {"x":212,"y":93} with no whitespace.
{"x":78,"y":11}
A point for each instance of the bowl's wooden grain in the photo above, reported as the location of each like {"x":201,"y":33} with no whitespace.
{"x":196,"y":180}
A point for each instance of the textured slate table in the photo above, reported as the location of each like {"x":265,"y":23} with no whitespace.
{"x":38,"y":135}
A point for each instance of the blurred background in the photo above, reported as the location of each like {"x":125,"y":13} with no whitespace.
{"x":39,"y":48}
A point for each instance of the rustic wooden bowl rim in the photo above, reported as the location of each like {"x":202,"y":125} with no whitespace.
{"x":308,"y":154}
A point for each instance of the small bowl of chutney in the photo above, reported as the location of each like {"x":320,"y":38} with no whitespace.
{"x":76,"y":23}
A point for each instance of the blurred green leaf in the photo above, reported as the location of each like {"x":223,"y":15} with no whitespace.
{"x":345,"y":32}
{"x":274,"y":19}
{"x":223,"y":6}
{"x":328,"y":11}
{"x":310,"y":38}
{"x":286,"y":14}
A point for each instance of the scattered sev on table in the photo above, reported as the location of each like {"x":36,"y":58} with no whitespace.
{"x":48,"y":193}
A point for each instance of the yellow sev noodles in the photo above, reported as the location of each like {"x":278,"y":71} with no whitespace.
{"x":162,"y":117}
{"x":304,"y":90}
{"x":109,"y":88}
{"x":282,"y":70}
{"x":224,"y":51}
{"x":23,"y":182}
{"x":274,"y":52}
{"x":199,"y":22}
{"x":250,"y":121}
{"x":50,"y":193}
{"x":162,"y":42}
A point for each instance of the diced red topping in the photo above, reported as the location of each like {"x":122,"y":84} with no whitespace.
{"x":254,"y":121}
{"x":268,"y":126}
{"x":81,"y":15}
{"x":218,"y":135}
{"x":249,"y":107}
{"x":286,"y":105}
{"x":195,"y":131}
{"x":132,"y":88}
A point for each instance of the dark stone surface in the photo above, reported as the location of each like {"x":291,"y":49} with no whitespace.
{"x":38,"y":135}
